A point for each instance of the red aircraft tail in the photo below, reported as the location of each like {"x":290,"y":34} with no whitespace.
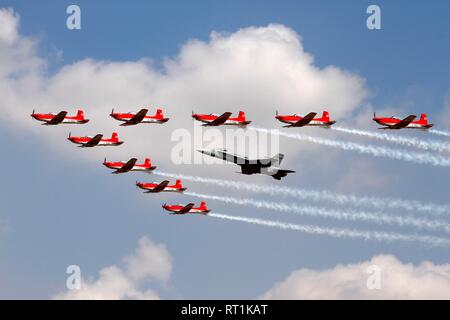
{"x":423,"y":119}
{"x":159,"y":114}
{"x":326,"y":116}
{"x":80,"y":114}
{"x":178,"y":184}
{"x":241,"y":115}
{"x":203,"y":206}
{"x":115,"y":137}
{"x":148,"y":162}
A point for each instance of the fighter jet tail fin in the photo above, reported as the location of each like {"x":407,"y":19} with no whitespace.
{"x":276,"y":160}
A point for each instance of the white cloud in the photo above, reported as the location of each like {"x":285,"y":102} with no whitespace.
{"x":258,"y":69}
{"x":150,"y":262}
{"x":9,"y":24}
{"x":398,"y":281}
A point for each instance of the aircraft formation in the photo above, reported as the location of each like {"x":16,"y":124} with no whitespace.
{"x":269,"y":166}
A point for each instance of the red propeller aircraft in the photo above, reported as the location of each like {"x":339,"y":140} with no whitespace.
{"x":130,"y":165}
{"x":408,"y":122}
{"x":161,"y":187}
{"x":88,"y":141}
{"x":308,"y":120}
{"x":131,"y":119}
{"x":224,"y":119}
{"x":61,"y":117}
{"x":189,"y":208}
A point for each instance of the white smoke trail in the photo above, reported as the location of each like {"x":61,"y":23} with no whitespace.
{"x":376,"y":151}
{"x":375,"y":217}
{"x":440,"y":132}
{"x":338,"y":232}
{"x":425,"y":144}
{"x":320,"y":196}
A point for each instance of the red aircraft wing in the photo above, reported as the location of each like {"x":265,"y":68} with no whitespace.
{"x":127,"y":166}
{"x":160,"y":187}
{"x":403,"y":123}
{"x":185,"y":209}
{"x":93,"y":142}
{"x":57,"y":119}
{"x":303,"y":121}
{"x":219,"y":120}
{"x":137,"y":118}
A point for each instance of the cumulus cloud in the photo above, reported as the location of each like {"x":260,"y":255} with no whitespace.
{"x":256,"y":69}
{"x":151,"y":261}
{"x":9,"y":24}
{"x":398,"y":280}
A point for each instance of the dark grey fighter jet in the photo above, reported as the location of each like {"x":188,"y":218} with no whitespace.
{"x":257,"y":166}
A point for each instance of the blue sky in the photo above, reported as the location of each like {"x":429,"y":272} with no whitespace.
{"x":60,"y":210}
{"x":121,"y":32}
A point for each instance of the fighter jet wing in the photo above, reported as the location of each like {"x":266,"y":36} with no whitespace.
{"x":58,"y":118}
{"x":403,"y":123}
{"x":234,"y":158}
{"x":160,"y":187}
{"x":93,"y":142}
{"x":137,"y":118}
{"x":303,"y":121}
{"x":186,"y":209}
{"x":281,"y":174}
{"x":127,"y":166}
{"x":219,"y":120}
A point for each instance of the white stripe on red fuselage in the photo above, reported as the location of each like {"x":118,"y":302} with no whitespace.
{"x":69,"y":120}
{"x":412,"y":125}
{"x":312,"y":123}
{"x":230,"y":122}
{"x":166,"y":189}
{"x":136,"y":167}
{"x":106,"y":142}
{"x":147,"y":119}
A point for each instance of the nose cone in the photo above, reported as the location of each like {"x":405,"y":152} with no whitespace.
{"x":207,"y":152}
